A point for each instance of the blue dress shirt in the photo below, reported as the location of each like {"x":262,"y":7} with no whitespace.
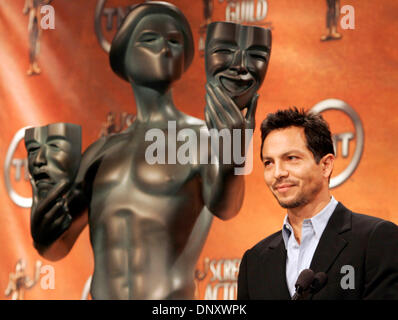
{"x":299,"y":256}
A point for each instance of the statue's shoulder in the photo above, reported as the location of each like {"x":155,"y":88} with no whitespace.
{"x":94,"y":155}
{"x":90,"y":156}
{"x":94,"y":149}
{"x":192,"y":122}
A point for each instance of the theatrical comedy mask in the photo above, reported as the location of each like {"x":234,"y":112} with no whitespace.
{"x":236,"y":59}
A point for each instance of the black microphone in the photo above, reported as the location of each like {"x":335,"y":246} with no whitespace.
{"x":320,"y":280}
{"x":303,"y":283}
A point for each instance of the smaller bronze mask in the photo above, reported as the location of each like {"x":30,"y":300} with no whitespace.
{"x":54,"y":153}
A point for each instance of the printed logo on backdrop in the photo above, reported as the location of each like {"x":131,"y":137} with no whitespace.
{"x":220,"y":277}
{"x":20,"y":168}
{"x":116,"y":122}
{"x":108,"y":20}
{"x":38,"y":10}
{"x":343,"y":140}
{"x":19,"y":281}
{"x":238,"y":11}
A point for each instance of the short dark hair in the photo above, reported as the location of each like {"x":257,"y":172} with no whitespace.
{"x":120,"y":42}
{"x":316,"y":129}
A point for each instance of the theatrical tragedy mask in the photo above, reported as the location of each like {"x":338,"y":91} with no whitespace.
{"x":236,"y":59}
{"x":54,"y":153}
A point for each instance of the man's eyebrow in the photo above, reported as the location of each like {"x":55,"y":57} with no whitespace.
{"x":292,"y":151}
{"x":296,"y":151}
{"x":267,"y":158}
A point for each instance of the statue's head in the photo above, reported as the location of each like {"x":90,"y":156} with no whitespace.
{"x":54,"y":153}
{"x":237,"y":58}
{"x":153,"y":46}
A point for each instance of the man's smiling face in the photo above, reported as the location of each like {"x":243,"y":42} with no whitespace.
{"x":290,"y":169}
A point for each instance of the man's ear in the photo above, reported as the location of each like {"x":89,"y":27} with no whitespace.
{"x":327,"y":164}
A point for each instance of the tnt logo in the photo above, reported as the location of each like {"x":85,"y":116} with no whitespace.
{"x":112,"y":17}
{"x":347,"y":156}
{"x":16,"y":174}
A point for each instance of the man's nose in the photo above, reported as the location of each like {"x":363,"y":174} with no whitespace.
{"x":280,"y":171}
{"x":40,"y":158}
{"x":239,"y":62}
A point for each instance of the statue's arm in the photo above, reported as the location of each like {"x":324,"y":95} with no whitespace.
{"x":58,"y":220}
{"x":53,"y":225}
{"x":223,"y":188}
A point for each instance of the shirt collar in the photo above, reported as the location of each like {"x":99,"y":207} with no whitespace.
{"x":318,"y":222}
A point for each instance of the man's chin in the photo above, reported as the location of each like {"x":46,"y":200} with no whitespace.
{"x":289,"y":205}
{"x":292,"y":204}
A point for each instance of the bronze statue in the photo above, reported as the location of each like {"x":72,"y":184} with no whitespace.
{"x":332,"y":20}
{"x":148,"y":222}
{"x":19,"y":281}
{"x":32,"y":8}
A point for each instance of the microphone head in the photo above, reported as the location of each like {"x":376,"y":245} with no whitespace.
{"x":320,"y":280}
{"x":304,"y":280}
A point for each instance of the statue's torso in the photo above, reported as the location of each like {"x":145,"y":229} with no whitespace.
{"x":142,"y":221}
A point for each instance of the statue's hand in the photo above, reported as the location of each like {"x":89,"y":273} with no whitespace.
{"x":251,"y":113}
{"x":221,"y":112}
{"x":51,"y":218}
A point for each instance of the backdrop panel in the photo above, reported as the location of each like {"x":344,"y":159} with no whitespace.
{"x":77,"y":85}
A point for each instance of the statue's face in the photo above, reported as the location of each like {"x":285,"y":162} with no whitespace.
{"x":155,"y":54}
{"x":237,"y":59}
{"x":54,"y":153}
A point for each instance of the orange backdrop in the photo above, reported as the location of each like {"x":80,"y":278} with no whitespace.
{"x":77,"y":85}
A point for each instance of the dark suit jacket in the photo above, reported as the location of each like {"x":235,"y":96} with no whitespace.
{"x":368,"y":244}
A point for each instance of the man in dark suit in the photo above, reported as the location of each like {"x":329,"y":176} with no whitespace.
{"x":358,"y":253}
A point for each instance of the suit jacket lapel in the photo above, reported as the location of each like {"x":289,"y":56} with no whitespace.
{"x":275,"y":261}
{"x":331,"y":243}
{"x":326,"y":253}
